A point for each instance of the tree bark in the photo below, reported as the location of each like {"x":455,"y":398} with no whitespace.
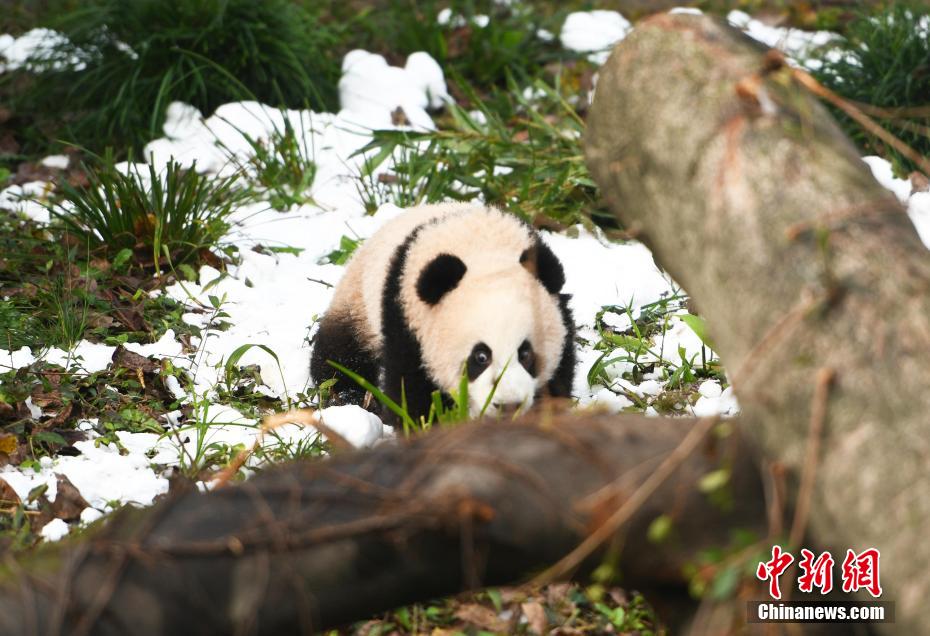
{"x":313,"y":545}
{"x":752,"y":199}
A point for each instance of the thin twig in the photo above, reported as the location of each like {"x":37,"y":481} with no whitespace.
{"x":824,"y":380}
{"x":302,"y":417}
{"x":613,"y":523}
{"x":856,"y":113}
{"x":777,"y":332}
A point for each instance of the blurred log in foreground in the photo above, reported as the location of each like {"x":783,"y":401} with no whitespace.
{"x":313,"y":545}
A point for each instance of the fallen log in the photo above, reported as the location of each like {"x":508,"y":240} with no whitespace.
{"x":312,"y":545}
{"x":804,"y":267}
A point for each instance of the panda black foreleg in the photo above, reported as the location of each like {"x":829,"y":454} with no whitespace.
{"x":405,"y":380}
{"x":338,"y":340}
{"x":564,"y":377}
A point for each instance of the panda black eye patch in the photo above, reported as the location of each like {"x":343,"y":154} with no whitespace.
{"x":527,"y":357}
{"x":478,"y":360}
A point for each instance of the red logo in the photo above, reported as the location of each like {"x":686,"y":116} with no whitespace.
{"x":815,"y":573}
{"x":771,"y":570}
{"x":861,"y":571}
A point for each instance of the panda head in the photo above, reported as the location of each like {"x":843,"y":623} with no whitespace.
{"x":501,"y":323}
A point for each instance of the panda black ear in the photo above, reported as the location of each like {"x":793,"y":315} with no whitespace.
{"x":540,"y":261}
{"x":441,"y":276}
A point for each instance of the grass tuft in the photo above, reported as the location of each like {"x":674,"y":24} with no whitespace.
{"x":884,"y":61}
{"x":519,"y":150}
{"x":134,"y":58}
{"x":151,"y":216}
{"x":281,"y":168}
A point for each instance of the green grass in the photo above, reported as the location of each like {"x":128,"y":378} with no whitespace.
{"x":53,"y":292}
{"x":281,"y":168}
{"x":140,"y":56}
{"x":569,"y":609}
{"x":483,"y":56}
{"x":518,"y":152}
{"x":641,"y":347}
{"x":119,"y":398}
{"x":443,"y":412}
{"x":152,"y":218}
{"x":884,"y":61}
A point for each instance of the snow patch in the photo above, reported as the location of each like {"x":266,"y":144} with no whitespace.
{"x":31,"y":49}
{"x":714,"y":401}
{"x":594,"y":32}
{"x":881,"y":170}
{"x":356,"y":425}
{"x":86,"y":356}
{"x":27,"y":199}
{"x":54,"y":530}
{"x":371,"y":90}
{"x":917,"y":202}
{"x":57,"y":162}
{"x":599,"y":273}
{"x":795,"y":43}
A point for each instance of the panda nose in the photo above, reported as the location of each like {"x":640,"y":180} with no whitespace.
{"x":506,"y":408}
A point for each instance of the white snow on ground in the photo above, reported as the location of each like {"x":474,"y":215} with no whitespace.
{"x":594,"y":32}
{"x":624,"y":274}
{"x":795,"y":43}
{"x":37,"y":44}
{"x":59,"y":162}
{"x":446,"y":17}
{"x":27,"y":199}
{"x":881,"y":170}
{"x":356,"y":425}
{"x":86,"y":356}
{"x":101,"y":473}
{"x":715,"y":401}
{"x":11,"y":360}
{"x":917,"y":202}
{"x":54,"y":530}
{"x":372,"y":89}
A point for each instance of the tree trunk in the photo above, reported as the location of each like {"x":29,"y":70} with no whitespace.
{"x":313,"y":545}
{"x":749,"y":195}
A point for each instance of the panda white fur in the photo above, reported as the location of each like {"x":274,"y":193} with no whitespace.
{"x":447,"y":285}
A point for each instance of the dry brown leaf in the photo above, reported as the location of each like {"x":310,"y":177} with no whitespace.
{"x":8,"y":496}
{"x":127,"y":359}
{"x":557,"y":594}
{"x":60,"y":418}
{"x":919,"y":181}
{"x":482,"y":617}
{"x":97,"y":320}
{"x":536,"y":617}
{"x":399,"y":117}
{"x":68,"y":502}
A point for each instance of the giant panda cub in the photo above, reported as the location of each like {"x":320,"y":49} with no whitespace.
{"x":442,"y":288}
